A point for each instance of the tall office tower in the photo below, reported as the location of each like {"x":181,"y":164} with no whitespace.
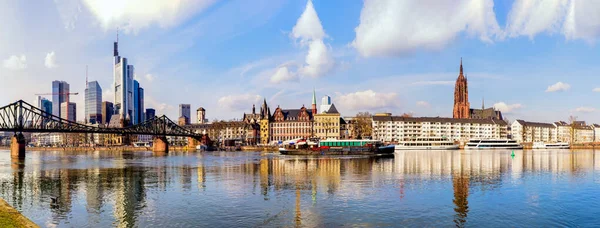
{"x":123,"y":85}
{"x":138,"y":103}
{"x":72,"y":111}
{"x":140,"y":106}
{"x":59,"y":91}
{"x":93,"y":102}
{"x":150,"y":113}
{"x":45,"y":105}
{"x":107,"y":112}
{"x":185,"y":111}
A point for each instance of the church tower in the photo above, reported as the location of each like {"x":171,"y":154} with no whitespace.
{"x":461,"y":96}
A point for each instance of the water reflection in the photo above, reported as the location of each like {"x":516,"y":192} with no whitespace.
{"x":132,"y":189}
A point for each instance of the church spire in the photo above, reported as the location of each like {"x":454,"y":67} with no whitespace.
{"x":314,"y":102}
{"x":482,"y":103}
{"x":461,"y":68}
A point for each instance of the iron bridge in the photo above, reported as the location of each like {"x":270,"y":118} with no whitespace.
{"x":21,"y":117}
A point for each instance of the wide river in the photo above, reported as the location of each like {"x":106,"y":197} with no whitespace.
{"x":250,"y":189}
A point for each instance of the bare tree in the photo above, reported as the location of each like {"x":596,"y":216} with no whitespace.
{"x":363,"y":125}
{"x":573,"y":123}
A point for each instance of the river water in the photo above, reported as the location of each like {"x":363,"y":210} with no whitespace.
{"x":251,"y":189}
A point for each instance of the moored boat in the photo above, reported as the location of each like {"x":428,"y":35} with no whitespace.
{"x":493,"y":144}
{"x":343,"y":147}
{"x":428,"y":143}
{"x":557,"y":145}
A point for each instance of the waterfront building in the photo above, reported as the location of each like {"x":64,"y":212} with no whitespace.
{"x":327,"y":124}
{"x":72,"y":111}
{"x":582,"y":133}
{"x":93,"y":102}
{"x":596,"y":128}
{"x":150,"y":113}
{"x":60,"y":90}
{"x":290,"y":124}
{"x":253,"y":119}
{"x":123,"y":86}
{"x":529,"y":132}
{"x":563,"y":131}
{"x":138,"y":103}
{"x":462,"y":106}
{"x":201,"y":115}
{"x":107,"y":112}
{"x":398,"y":128}
{"x":185,"y":111}
{"x":264,"y":123}
{"x":45,"y":105}
{"x":182,"y":120}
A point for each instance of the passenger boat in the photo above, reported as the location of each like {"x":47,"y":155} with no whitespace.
{"x":342,"y":147}
{"x":493,"y":144}
{"x":428,"y":143}
{"x":558,"y":145}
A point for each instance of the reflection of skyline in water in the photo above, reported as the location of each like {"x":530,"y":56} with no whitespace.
{"x":129,"y":189}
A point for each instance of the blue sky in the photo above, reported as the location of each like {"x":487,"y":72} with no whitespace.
{"x":533,"y":59}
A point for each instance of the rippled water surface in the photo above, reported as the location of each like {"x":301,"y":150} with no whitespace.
{"x":248,"y":189}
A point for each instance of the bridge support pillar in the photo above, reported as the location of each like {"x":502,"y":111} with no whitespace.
{"x":17,"y":146}
{"x":160,"y":144}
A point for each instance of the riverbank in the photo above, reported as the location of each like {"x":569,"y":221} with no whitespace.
{"x":113,"y":148}
{"x":10,"y":217}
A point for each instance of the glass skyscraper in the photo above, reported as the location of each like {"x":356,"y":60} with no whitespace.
{"x":93,"y":102}
{"x":185,"y":111}
{"x":123,"y":86}
{"x":107,"y":112}
{"x":45,"y":105}
{"x":59,"y":91}
{"x":150,"y":113}
{"x":138,"y":103}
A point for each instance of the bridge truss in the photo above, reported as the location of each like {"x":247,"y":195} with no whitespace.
{"x":23,"y":117}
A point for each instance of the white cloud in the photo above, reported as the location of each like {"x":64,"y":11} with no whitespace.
{"x":15,"y":62}
{"x":149,"y":77}
{"x":422,"y":104}
{"x":585,"y":109}
{"x":597,"y":90}
{"x":392,"y":27}
{"x":50,"y":60}
{"x":309,"y":31}
{"x":283,"y":74}
{"x":507,"y":108}
{"x":133,"y":15}
{"x":238,"y":102}
{"x":573,"y":19}
{"x":367,"y":100}
{"x":559,"y":86}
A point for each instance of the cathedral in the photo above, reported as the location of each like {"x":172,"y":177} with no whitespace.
{"x":462,"y":107}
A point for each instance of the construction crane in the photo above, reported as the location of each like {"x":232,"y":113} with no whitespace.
{"x":60,"y":94}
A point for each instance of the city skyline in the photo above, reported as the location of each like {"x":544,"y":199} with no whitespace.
{"x":529,"y":65}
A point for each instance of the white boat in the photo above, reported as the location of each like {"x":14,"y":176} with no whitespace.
{"x":557,"y":145}
{"x":493,"y":144}
{"x":429,"y":143}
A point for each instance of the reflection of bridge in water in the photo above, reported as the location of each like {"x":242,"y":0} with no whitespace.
{"x":22,"y":117}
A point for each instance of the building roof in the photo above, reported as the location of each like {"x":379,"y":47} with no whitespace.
{"x":561,"y":123}
{"x":201,"y":109}
{"x":535,"y":124}
{"x":596,"y":125}
{"x":439,"y":119}
{"x":342,"y":121}
{"x":332,"y":110}
{"x":288,"y":113}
